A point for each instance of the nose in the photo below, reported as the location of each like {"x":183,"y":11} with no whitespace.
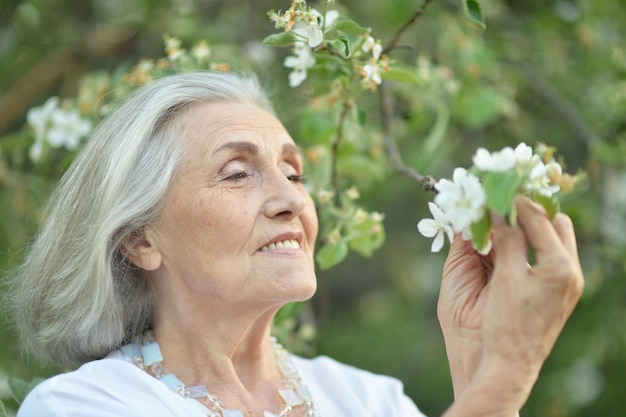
{"x":285,"y":199}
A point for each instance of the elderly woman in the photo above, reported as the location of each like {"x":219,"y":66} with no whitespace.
{"x":181,"y":229}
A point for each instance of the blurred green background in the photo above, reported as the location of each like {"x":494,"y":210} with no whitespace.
{"x":551,"y":71}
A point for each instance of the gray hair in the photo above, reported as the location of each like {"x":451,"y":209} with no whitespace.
{"x":76,"y":296}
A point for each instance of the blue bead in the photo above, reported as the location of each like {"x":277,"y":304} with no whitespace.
{"x":151,"y":353}
{"x":197,"y":391}
{"x":132,"y":349}
{"x":171,"y":381}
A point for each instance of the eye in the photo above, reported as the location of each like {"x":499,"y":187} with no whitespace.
{"x":299,"y":178}
{"x":239,"y":175}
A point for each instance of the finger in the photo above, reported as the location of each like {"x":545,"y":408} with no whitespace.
{"x":565,"y":229}
{"x":538,"y":228}
{"x":511,"y":245}
{"x":459,"y":252}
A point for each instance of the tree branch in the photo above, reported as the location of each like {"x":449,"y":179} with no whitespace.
{"x":335,"y":150}
{"x":427,"y":182}
{"x":393,"y":42}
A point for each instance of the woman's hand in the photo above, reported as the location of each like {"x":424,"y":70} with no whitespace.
{"x":498,"y":309}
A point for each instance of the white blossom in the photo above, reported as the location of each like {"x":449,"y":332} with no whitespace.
{"x":462,"y":199}
{"x":302,"y":61}
{"x":502,"y":160}
{"x":436,"y":227}
{"x":539,"y":177}
{"x":371,"y":74}
{"x":172,"y":47}
{"x":523,"y":154}
{"x":67,"y":129}
{"x":330,"y":18}
{"x":314,"y":35}
{"x":39,"y":117}
{"x":201,"y":51}
{"x":461,"y":202}
{"x":370,"y":44}
{"x":310,"y":31}
{"x":553,"y":169}
{"x":58,"y":127}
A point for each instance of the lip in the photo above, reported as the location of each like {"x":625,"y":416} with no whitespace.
{"x":297,"y":236}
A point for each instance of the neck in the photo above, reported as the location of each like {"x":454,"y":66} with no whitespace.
{"x":231,"y":355}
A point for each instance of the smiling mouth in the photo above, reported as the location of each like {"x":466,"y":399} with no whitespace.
{"x":281,"y":244}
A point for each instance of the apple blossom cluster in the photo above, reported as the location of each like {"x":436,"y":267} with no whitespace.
{"x":308,"y":25}
{"x":376,"y":64}
{"x":64,"y":125}
{"x":307,"y":31}
{"x":56,"y":126}
{"x":463,"y":205}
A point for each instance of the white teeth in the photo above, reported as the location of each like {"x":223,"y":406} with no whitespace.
{"x":283,"y":244}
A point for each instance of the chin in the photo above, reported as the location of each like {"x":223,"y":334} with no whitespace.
{"x":305,"y":291}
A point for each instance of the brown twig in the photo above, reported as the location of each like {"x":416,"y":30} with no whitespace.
{"x":335,"y":150}
{"x":427,"y":182}
{"x":331,"y":51}
{"x":393,"y":42}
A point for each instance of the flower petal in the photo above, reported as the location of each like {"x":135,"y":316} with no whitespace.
{"x":482,"y":159}
{"x":314,"y":35}
{"x":296,"y":77}
{"x":437,"y":243}
{"x":427,"y":227}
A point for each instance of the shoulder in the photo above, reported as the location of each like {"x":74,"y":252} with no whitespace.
{"x":103,"y":388}
{"x":323,"y":367}
{"x":348,"y":389}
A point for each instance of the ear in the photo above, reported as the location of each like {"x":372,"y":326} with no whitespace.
{"x":141,"y":249}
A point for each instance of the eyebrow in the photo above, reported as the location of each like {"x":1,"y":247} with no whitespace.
{"x":251,"y":148}
{"x":247,"y":147}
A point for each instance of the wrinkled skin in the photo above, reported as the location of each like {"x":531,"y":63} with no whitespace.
{"x":500,"y":315}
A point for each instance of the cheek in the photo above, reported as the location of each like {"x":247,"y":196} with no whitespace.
{"x":228,"y":225}
{"x":310,"y":222}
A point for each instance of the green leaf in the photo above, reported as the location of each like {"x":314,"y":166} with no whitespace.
{"x":477,"y":106}
{"x":480,"y":231}
{"x":432,"y":144}
{"x":331,"y":254}
{"x":371,"y":236}
{"x":342,"y":46}
{"x":350,"y":27}
{"x":21,"y":388}
{"x":474,"y":13}
{"x":501,"y":188}
{"x":551,"y":204}
{"x":3,"y":411}
{"x":401,"y":74}
{"x":280,"y":39}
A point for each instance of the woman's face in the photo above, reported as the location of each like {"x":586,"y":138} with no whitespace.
{"x":238,"y":225}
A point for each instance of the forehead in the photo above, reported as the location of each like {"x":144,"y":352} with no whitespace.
{"x":209,"y":127}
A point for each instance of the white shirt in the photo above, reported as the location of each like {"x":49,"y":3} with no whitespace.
{"x":114,"y":387}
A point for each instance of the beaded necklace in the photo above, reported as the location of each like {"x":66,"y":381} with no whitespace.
{"x":148,"y":357}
